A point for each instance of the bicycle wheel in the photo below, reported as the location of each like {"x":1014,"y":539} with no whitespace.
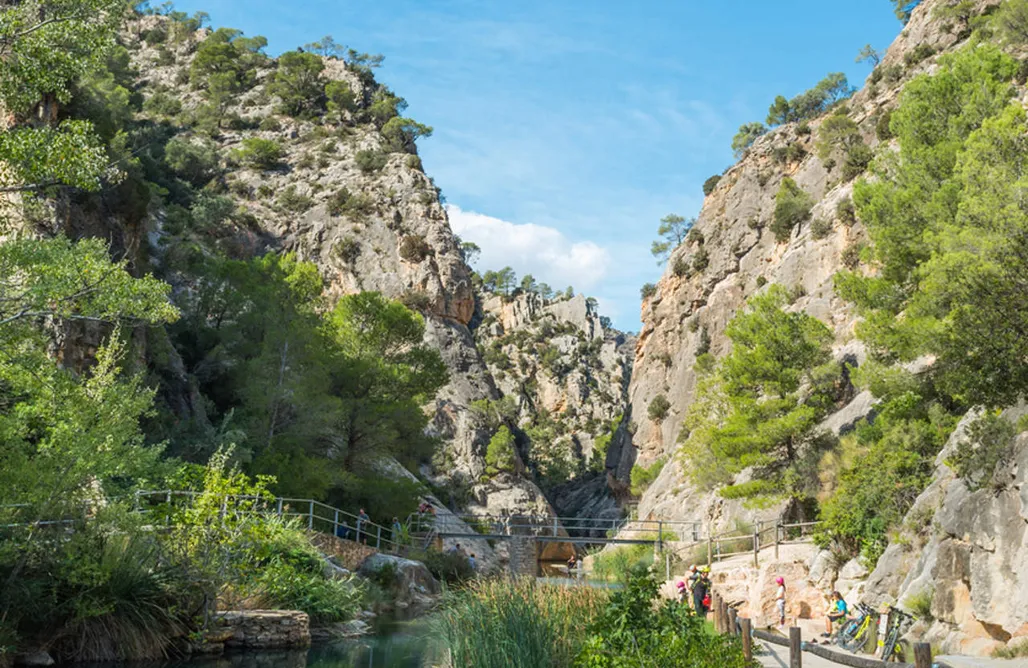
{"x":847,"y":631}
{"x":859,"y":638}
{"x":891,"y":643}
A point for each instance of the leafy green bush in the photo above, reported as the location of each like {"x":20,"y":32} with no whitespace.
{"x":710,"y":184}
{"x":194,"y":160}
{"x":414,"y":248}
{"x":792,"y":207}
{"x":637,"y":624}
{"x":920,"y":603}
{"x":499,"y":454}
{"x":989,"y":444}
{"x":846,"y":213}
{"x":680,"y":267}
{"x":648,"y":290}
{"x":369,"y":160}
{"x":270,"y":124}
{"x":820,"y":228}
{"x":829,"y":91}
{"x":643,"y":476}
{"x":162,"y":104}
{"x":259,"y":153}
{"x":658,"y":408}
{"x":211,"y":210}
{"x":402,"y":133}
{"x":294,"y":201}
{"x":348,"y":249}
{"x":618,"y":563}
{"x":744,"y":138}
{"x":701,"y":260}
{"x":918,"y":53}
{"x":298,"y":84}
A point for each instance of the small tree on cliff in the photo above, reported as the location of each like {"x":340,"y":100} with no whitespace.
{"x":673,"y":231}
{"x":750,"y":411}
{"x":499,"y":456}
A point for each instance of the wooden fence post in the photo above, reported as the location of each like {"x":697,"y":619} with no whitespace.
{"x":756,"y":545}
{"x":778,"y":532}
{"x":747,"y":639}
{"x":795,"y":648}
{"x":923,"y":655}
{"x":724,"y":616}
{"x":710,"y":548}
{"x":732,"y":616}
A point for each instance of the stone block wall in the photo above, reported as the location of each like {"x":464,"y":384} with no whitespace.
{"x":350,"y":554}
{"x":265,"y":629}
{"x":524,"y":555}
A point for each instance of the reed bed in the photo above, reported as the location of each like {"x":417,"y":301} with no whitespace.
{"x":517,"y":623}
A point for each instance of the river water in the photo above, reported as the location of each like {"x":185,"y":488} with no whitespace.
{"x":394,"y":645}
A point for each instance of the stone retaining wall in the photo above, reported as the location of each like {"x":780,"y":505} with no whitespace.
{"x":350,"y":554}
{"x":524,"y":556}
{"x":265,"y":629}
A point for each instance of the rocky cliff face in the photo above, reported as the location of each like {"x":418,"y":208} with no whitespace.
{"x":564,"y":377}
{"x":388,"y":234}
{"x":377,"y":227}
{"x":732,"y":254}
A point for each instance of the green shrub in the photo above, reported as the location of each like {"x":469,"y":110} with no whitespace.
{"x":761,"y":281}
{"x":259,"y":153}
{"x":917,"y":54}
{"x":636,"y":623}
{"x":846,"y":212}
{"x":499,"y":455}
{"x":920,"y":603}
{"x":710,"y":184}
{"x":416,"y":300}
{"x":449,"y":567}
{"x":348,"y":249}
{"x":293,"y":201}
{"x":701,"y":260}
{"x":194,"y":160}
{"x":680,"y":267}
{"x":989,"y":445}
{"x":858,"y":157}
{"x":414,"y":248}
{"x":270,"y":124}
{"x":744,"y":138}
{"x":643,"y":476}
{"x":809,"y":105}
{"x":162,"y":103}
{"x":414,"y":162}
{"x":369,"y":161}
{"x":618,"y":563}
{"x":648,"y":290}
{"x":658,"y":408}
{"x":820,"y":228}
{"x":298,"y":84}
{"x":851,"y":255}
{"x":792,"y":207}
{"x":209,"y":210}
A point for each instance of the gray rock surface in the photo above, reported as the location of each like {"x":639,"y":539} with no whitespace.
{"x":412,"y":584}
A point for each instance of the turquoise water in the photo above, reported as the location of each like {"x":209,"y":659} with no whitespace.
{"x":398,"y":645}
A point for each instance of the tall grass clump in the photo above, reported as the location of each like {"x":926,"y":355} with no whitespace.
{"x":517,"y":623}
{"x":618,"y":563}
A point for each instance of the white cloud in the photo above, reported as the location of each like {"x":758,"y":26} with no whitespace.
{"x":533,"y":249}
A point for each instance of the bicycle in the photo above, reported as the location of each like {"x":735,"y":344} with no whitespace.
{"x":893,"y":649}
{"x":854,"y":633}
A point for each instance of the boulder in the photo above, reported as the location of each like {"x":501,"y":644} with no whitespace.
{"x":823,"y":571}
{"x":37,"y":658}
{"x":408,"y":581}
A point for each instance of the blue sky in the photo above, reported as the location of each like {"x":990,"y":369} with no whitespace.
{"x":565,"y":129}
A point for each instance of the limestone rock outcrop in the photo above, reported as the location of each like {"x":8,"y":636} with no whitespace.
{"x":409,"y":582}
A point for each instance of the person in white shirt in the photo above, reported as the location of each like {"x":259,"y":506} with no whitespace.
{"x":780,"y":600}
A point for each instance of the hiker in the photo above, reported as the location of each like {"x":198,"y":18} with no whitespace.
{"x":343,"y":530}
{"x":362,"y":519}
{"x":471,"y":562}
{"x":836,"y":612}
{"x":700,"y":591}
{"x":691,"y":577}
{"x":683,"y":593}
{"x":780,"y":600}
{"x":397,"y":530}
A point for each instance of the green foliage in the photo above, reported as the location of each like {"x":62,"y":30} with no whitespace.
{"x":345,"y":203}
{"x":869,"y":54}
{"x":837,"y":133}
{"x":744,"y":138}
{"x":920,"y":603}
{"x":502,"y":281}
{"x":384,"y":106}
{"x":647,"y":291}
{"x":370,"y":160}
{"x":831,"y":90}
{"x":710,"y":184}
{"x":298,"y":84}
{"x":516,"y":623}
{"x":618,"y":564}
{"x":658,"y":408}
{"x":947,"y":233}
{"x":195,"y":161}
{"x":820,"y":228}
{"x":294,"y":201}
{"x":903,"y":9}
{"x":414,"y":248}
{"x":69,"y":154}
{"x":637,"y":630}
{"x":499,"y":455}
{"x":226,"y":65}
{"x":894,"y":462}
{"x":1012,"y":21}
{"x":750,"y":411}
{"x":449,"y":567}
{"x":882,"y":127}
{"x":259,"y":153}
{"x":402,"y":133}
{"x":792,"y":207}
{"x":673,"y":230}
{"x":988,"y":446}
{"x":602,"y":444}
{"x":643,"y":476}
{"x":917,"y":54}
{"x":341,"y":99}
